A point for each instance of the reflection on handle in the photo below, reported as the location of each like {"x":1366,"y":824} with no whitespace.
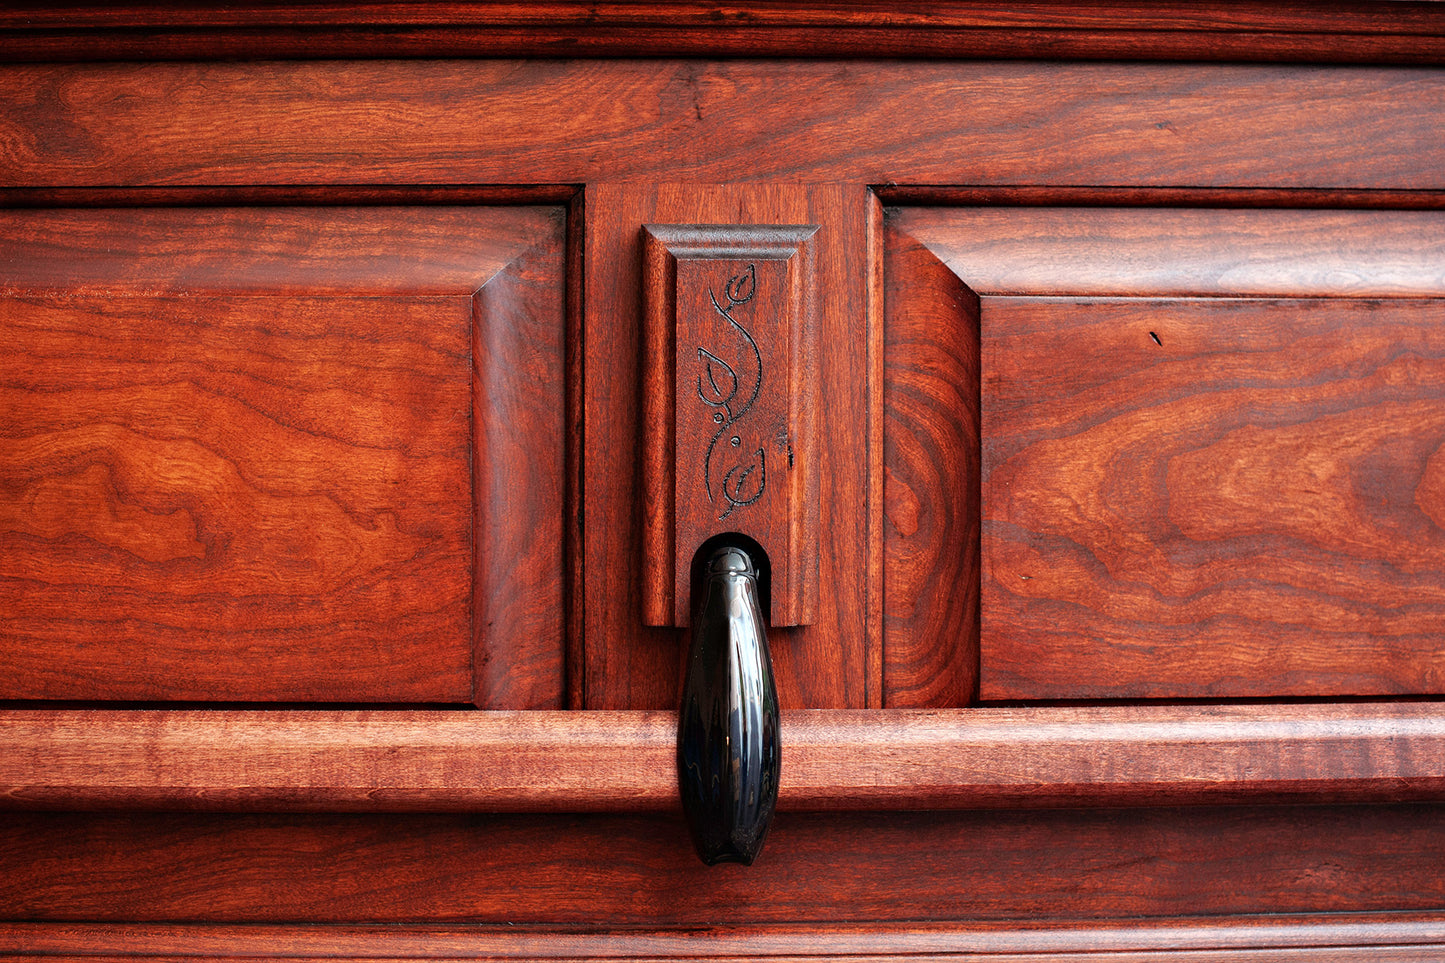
{"x":727,"y":737}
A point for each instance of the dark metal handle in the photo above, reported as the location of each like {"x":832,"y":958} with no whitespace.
{"x":727,"y":736}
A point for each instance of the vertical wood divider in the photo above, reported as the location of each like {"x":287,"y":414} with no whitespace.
{"x":630,"y":662}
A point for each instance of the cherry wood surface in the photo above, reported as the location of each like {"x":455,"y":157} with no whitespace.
{"x":570,"y":121}
{"x":1361,"y":31}
{"x":931,"y":464}
{"x":1106,"y":252}
{"x":638,"y":870}
{"x":1376,"y":937}
{"x":1209,"y":448}
{"x":420,"y":761}
{"x":1212,"y":498}
{"x":1062,"y":831}
{"x":521,"y":336}
{"x":833,"y":662}
{"x":236,"y":449}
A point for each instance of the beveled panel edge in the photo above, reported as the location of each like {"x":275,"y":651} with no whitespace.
{"x":453,"y":247}
{"x":1136,"y":251}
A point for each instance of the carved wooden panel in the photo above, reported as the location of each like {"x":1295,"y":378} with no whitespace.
{"x":829,"y":663}
{"x":1212,"y":450}
{"x":730,"y":395}
{"x":236,"y":452}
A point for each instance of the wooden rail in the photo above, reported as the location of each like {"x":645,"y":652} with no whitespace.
{"x":461,"y":761}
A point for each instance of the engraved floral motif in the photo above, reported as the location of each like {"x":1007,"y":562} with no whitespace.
{"x":745,"y":476}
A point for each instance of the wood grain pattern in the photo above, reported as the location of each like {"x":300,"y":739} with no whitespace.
{"x":1232,"y":31}
{"x":931,"y":452}
{"x":733,"y":120}
{"x":519,"y":478}
{"x":821,"y":665}
{"x":730,"y":393}
{"x":1213,"y":498}
{"x":412,"y":761}
{"x":1377,"y":937}
{"x":1141,"y":252}
{"x":1080,"y":865}
{"x":236,"y":450}
{"x":1256,"y":474}
{"x":1222,"y":17}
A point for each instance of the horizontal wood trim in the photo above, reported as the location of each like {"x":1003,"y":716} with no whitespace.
{"x":1165,"y":125}
{"x":1396,"y":936}
{"x":458,"y":761}
{"x":610,"y":40}
{"x":1343,"y":32}
{"x":640,"y":871}
{"x":1033,"y":195}
{"x":334,"y":195}
{"x":1218,"y":16}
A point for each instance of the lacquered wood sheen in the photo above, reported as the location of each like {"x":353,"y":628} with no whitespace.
{"x":1209,"y":440}
{"x":1212,"y":498}
{"x":931,"y":447}
{"x":1378,"y":937}
{"x":322,"y":432}
{"x":1229,"y":31}
{"x":1112,"y":252}
{"x":235,"y":447}
{"x":410,"y":761}
{"x":864,"y":122}
{"x":629,"y":871}
{"x":730,"y":396}
{"x":818,"y":665}
{"x":519,"y":478}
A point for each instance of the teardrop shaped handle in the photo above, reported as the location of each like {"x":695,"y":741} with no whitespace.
{"x":727,"y":738}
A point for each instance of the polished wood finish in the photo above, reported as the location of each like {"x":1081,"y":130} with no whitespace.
{"x":1076,"y":831}
{"x":730,"y":392}
{"x":1089,"y":866}
{"x":1364,"y":31}
{"x":428,"y":761}
{"x":823,"y":665}
{"x":931,"y":496}
{"x":1186,"y":497}
{"x":237,"y":449}
{"x":1377,"y":937}
{"x":521,"y":380}
{"x":1223,"y":498}
{"x":883,"y":122}
{"x":1055,"y":252}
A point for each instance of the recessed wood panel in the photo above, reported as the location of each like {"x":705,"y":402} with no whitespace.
{"x":236,"y":450}
{"x":1212,"y":444}
{"x":1213,"y":498}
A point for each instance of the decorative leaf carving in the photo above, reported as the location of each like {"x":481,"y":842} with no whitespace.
{"x":718,"y":386}
{"x":718,"y":382}
{"x":744,"y":485}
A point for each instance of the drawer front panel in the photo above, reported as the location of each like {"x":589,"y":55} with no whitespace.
{"x":1199,"y":453}
{"x":236,"y":450}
